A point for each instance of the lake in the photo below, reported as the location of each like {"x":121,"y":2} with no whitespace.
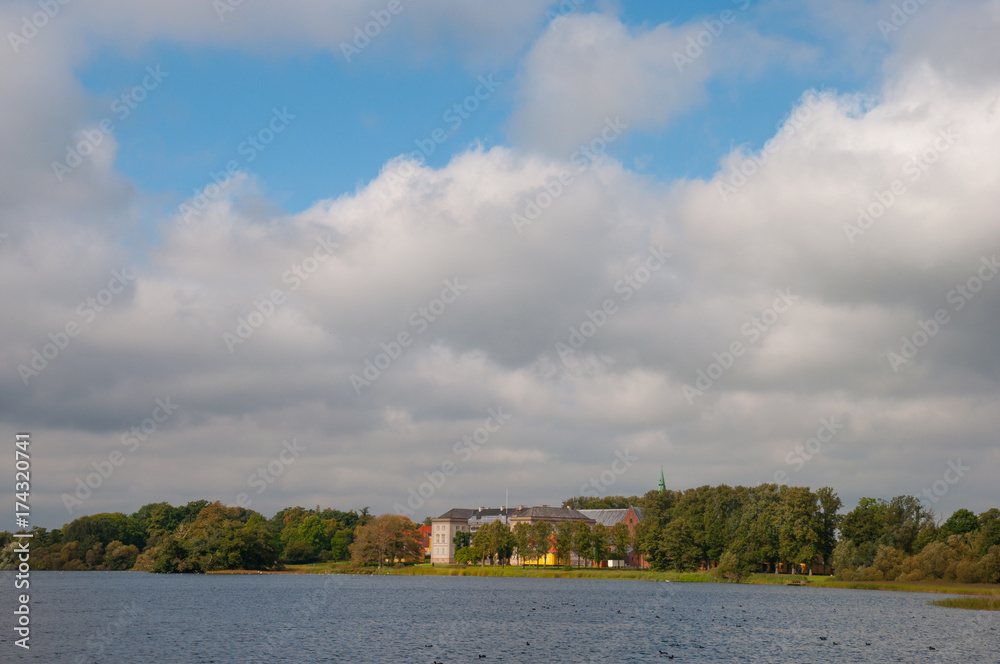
{"x":132,"y":618}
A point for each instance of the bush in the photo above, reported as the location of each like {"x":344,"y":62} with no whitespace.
{"x":299,"y":551}
{"x":732,"y":568}
{"x":889,"y":562}
{"x":988,"y":567}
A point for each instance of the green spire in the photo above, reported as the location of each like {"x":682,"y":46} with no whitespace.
{"x":663,"y":484}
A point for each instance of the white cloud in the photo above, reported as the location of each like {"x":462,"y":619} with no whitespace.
{"x":589,"y":68}
{"x":494,"y":345}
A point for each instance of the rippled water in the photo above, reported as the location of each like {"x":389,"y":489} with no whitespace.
{"x":129,"y":618}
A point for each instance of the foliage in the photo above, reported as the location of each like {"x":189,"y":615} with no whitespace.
{"x":384,"y":539}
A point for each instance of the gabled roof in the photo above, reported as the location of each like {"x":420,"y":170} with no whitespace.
{"x":638,"y":512}
{"x":546,"y":512}
{"x":606,"y":517}
{"x":457,"y":513}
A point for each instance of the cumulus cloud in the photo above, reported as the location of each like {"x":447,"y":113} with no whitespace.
{"x":589,"y":68}
{"x":485,"y":303}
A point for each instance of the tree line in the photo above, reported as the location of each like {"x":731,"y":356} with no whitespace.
{"x":197,"y":537}
{"x":736,"y":529}
{"x":732,"y":530}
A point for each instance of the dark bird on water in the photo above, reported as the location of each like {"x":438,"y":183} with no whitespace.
{"x":822,"y":638}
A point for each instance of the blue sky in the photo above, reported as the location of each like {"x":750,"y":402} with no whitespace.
{"x":353,"y":117}
{"x":381,"y":248}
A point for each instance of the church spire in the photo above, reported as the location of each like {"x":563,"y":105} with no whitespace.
{"x":663,"y":484}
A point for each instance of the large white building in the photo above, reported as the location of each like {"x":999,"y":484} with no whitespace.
{"x":443,"y":531}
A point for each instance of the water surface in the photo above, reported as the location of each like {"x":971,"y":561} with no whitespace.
{"x":132,"y":618}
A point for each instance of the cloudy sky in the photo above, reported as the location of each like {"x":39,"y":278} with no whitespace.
{"x":351,"y":253}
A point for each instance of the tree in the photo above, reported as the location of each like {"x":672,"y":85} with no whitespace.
{"x":829,"y":520}
{"x":299,"y":551}
{"x":799,"y":541}
{"x":522,"y":541}
{"x":581,"y":541}
{"x":960,"y":522}
{"x":541,"y":540}
{"x":599,"y":543}
{"x":468,"y":554}
{"x":734,"y":568}
{"x":905,"y":517}
{"x":989,"y":530}
{"x":120,"y":556}
{"x":678,"y":548}
{"x":505,"y":542}
{"x":495,"y":541}
{"x":621,"y":538}
{"x":313,"y":532}
{"x":866,"y":522}
{"x":462,"y":539}
{"x":389,"y":537}
{"x":563,"y":541}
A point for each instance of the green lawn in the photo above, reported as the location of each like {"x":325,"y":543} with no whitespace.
{"x":992,"y":592}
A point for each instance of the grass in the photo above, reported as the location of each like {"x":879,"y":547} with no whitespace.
{"x":978,"y":603}
{"x":984,"y":596}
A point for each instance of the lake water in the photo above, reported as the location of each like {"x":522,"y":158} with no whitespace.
{"x":133,"y":618}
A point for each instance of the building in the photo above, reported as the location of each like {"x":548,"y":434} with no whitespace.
{"x":443,"y":530}
{"x":553,"y":515}
{"x":630,"y":516}
{"x":485,"y":515}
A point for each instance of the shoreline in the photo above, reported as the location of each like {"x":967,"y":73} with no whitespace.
{"x":987,"y":591}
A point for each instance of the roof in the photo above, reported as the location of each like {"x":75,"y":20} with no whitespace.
{"x":458,"y":513}
{"x":638,"y":512}
{"x":489,"y":511}
{"x":606,"y":517}
{"x":546,"y":512}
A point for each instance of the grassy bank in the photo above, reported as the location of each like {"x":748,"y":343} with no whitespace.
{"x":979,"y":603}
{"x":979,"y":596}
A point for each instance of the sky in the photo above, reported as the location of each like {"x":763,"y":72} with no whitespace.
{"x":413,"y":255}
